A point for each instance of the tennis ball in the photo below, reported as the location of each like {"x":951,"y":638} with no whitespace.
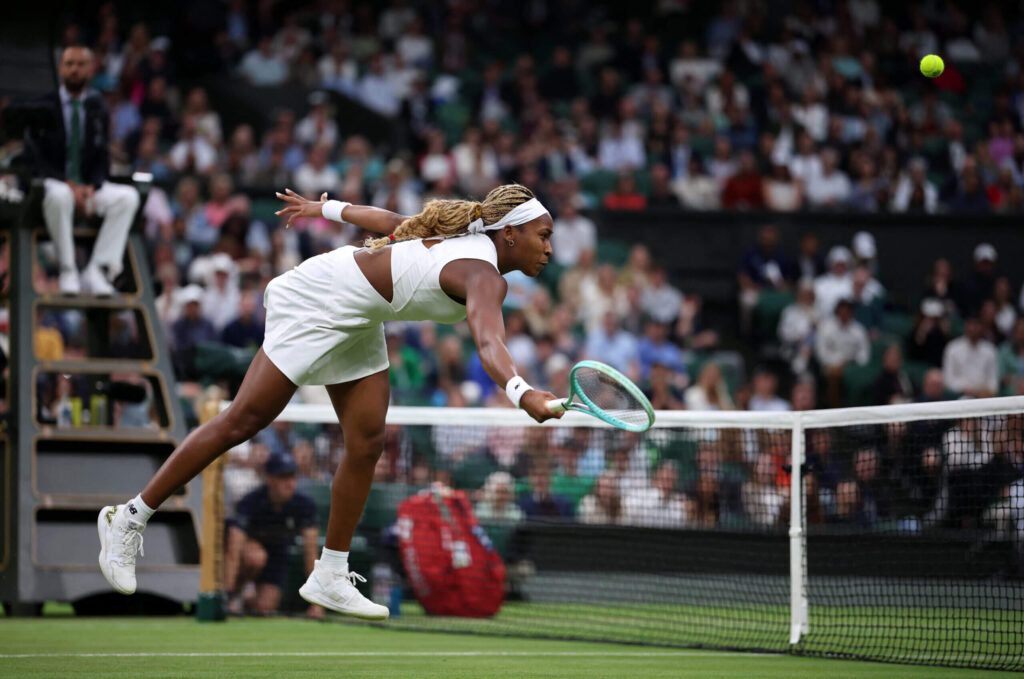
{"x":932,"y":66}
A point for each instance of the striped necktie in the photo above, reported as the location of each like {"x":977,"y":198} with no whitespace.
{"x":75,"y":143}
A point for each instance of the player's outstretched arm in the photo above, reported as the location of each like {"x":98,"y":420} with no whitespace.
{"x":366,"y":217}
{"x":485,"y":290}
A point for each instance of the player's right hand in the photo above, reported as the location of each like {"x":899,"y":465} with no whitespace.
{"x":296,"y":206}
{"x":535,"y":403}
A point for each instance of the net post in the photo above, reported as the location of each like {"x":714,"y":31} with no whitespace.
{"x":210,"y":606}
{"x":798,"y":620}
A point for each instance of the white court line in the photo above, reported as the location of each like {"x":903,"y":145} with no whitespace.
{"x":438,"y":654}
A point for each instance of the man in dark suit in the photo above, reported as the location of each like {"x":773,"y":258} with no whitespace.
{"x":73,"y":156}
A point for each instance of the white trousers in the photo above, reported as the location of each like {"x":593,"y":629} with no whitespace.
{"x":116,"y":203}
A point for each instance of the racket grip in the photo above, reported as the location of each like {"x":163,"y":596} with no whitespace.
{"x":557,"y":405}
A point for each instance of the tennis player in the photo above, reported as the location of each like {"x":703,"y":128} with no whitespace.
{"x":324,"y":326}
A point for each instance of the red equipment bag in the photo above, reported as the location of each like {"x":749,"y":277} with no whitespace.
{"x":450,"y":562}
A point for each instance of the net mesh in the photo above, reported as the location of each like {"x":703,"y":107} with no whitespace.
{"x":610,"y":396}
{"x":679,"y":536}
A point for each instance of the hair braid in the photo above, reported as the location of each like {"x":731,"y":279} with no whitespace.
{"x":452,"y":217}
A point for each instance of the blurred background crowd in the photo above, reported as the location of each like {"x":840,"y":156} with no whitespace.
{"x":820,"y":110}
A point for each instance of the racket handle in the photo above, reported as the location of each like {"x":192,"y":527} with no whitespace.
{"x":558,"y":405}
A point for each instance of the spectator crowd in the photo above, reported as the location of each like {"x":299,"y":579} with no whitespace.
{"x":750,"y":109}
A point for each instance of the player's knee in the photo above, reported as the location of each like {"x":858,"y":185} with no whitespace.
{"x":127,"y":198}
{"x":367,"y":444}
{"x":241,"y":425}
{"x":60,"y":195}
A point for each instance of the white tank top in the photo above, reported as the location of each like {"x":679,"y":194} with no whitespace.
{"x":416,"y":271}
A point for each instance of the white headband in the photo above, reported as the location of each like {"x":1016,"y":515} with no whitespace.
{"x":520,"y":214}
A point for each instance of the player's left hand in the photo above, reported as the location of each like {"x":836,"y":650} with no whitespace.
{"x":297,"y":206}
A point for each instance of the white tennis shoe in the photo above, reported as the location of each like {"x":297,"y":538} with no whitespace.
{"x":336,"y":591}
{"x":120,"y":541}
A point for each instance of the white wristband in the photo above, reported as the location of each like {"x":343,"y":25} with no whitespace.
{"x":332,"y":210}
{"x":515,"y":389}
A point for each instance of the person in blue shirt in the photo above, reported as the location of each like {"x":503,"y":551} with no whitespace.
{"x":540,"y":502}
{"x":266,"y":523}
{"x":654,"y":347}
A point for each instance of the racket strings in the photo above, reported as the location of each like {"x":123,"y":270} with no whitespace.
{"x":607,"y":393}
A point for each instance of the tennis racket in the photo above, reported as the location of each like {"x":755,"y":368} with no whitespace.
{"x":606,"y":394}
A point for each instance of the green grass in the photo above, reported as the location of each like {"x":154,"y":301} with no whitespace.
{"x":82,"y":647}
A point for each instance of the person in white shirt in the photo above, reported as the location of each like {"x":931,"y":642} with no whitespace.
{"x":315,"y":175}
{"x":805,"y":163}
{"x":604,"y":505}
{"x":619,"y":149}
{"x":840,"y":340}
{"x":317,"y":127}
{"x":762,"y":500}
{"x":829,"y":188}
{"x":834,"y":285}
{"x":765,"y":397}
{"x":914,"y":193}
{"x":797,"y":326}
{"x":661,"y":300}
{"x":222,"y":296}
{"x":262,"y":68}
{"x":192,"y":153}
{"x":376,"y":91}
{"x":970,"y":363}
{"x":573,"y":234}
{"x":658,"y":506}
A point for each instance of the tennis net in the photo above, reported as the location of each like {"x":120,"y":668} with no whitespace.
{"x":900,"y":537}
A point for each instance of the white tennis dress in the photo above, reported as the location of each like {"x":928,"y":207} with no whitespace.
{"x":325,"y":320}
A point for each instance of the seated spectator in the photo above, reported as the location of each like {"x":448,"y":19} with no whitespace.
{"x":598,"y":294}
{"x":942,"y":286}
{"x":376,"y":90}
{"x":664,"y":388}
{"x":840,"y":340}
{"x":893,"y":385}
{"x":868,"y":300}
{"x":661,"y":188}
{"x":540,"y":502}
{"x":914,"y":193}
{"x":621,"y":150}
{"x":809,"y":263}
{"x":933,"y":388}
{"x":980,"y":284}
{"x":834,"y":285}
{"x":762,"y":266}
{"x":396,"y":192}
{"x":246,"y":330}
{"x":337,"y":70}
{"x":797,"y":326}
{"x":1011,"y":361}
{"x":266,"y":523}
{"x":612,"y":345}
{"x":761,"y":497}
{"x":604,"y":504}
{"x":497,"y":504}
{"x":660,"y":505}
{"x":970,"y":363}
{"x":710,"y":392}
{"x":193,"y":154}
{"x":743,"y":189}
{"x":830,"y":188}
{"x":1005,"y":313}
{"x":654,"y":347}
{"x":765,"y":396}
{"x":262,"y":67}
{"x":697,"y":190}
{"x":187,"y":332}
{"x":931,"y":333}
{"x":221,"y":296}
{"x":782,"y":193}
{"x":315,"y":176}
{"x":660,"y":300}
{"x":573,"y":233}
{"x":867,"y":186}
{"x":625,"y":196}
{"x":691,"y":331}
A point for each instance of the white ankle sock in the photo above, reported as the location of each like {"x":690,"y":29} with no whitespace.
{"x":138,"y":511}
{"x":334,"y":560}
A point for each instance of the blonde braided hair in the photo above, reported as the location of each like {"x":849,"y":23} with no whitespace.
{"x":452,"y":217}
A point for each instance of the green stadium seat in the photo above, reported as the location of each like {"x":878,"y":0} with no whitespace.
{"x":612,"y":251}
{"x":770,"y":305}
{"x":572,"y":487}
{"x":897,"y":325}
{"x":859,"y":380}
{"x":598,"y":183}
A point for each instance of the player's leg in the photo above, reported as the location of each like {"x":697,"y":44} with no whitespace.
{"x":361,"y":407}
{"x":59,"y":214}
{"x":264,"y":393}
{"x":117,"y":204}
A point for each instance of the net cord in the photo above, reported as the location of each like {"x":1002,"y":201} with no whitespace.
{"x":671,"y":419}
